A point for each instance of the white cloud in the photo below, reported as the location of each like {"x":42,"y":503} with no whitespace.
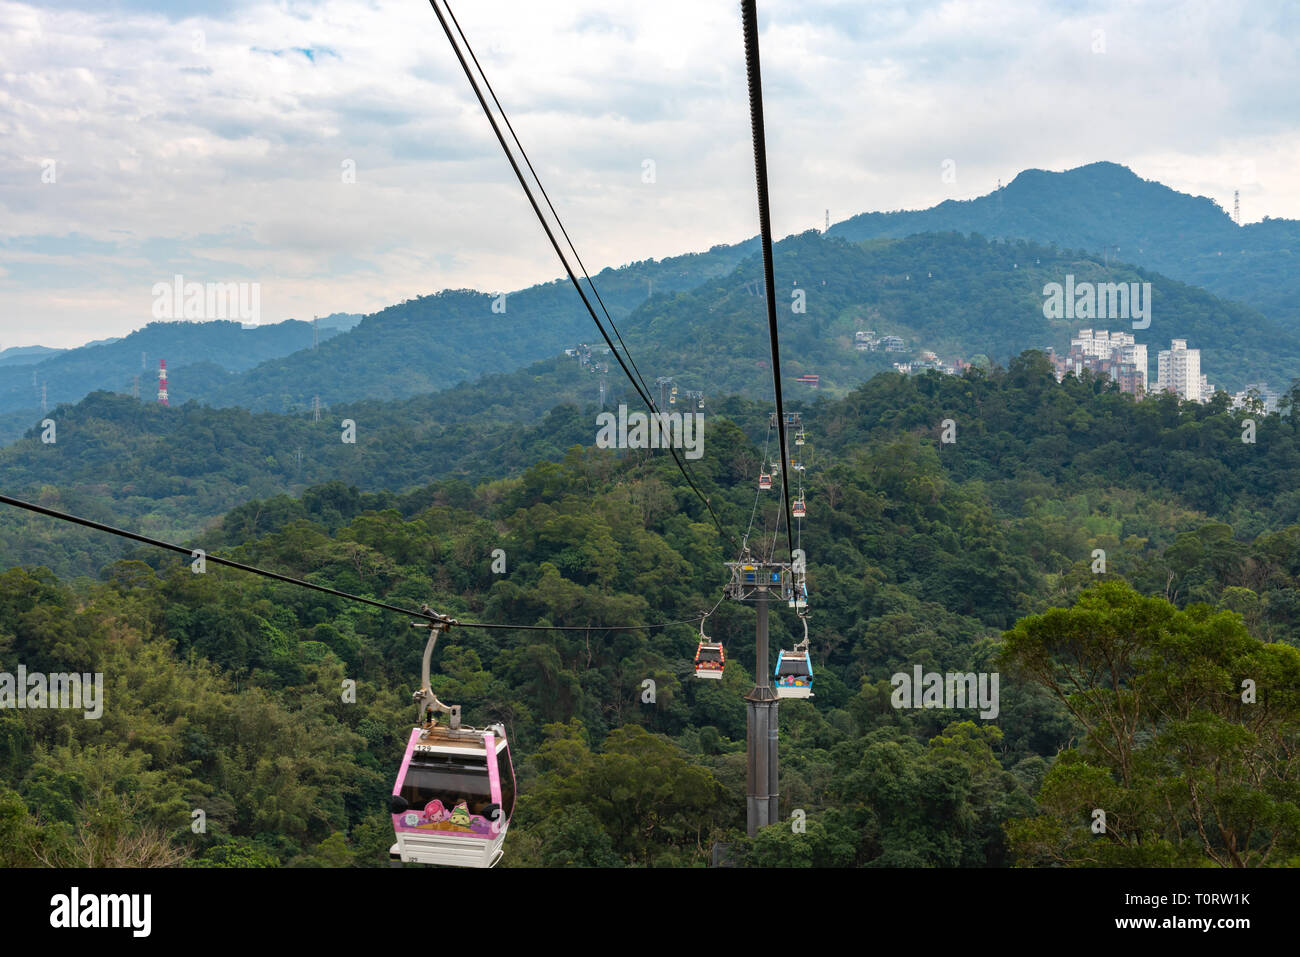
{"x":222,"y":160}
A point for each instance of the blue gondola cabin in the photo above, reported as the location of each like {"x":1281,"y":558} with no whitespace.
{"x":794,"y":675}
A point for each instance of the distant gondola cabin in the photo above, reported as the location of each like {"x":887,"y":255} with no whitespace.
{"x":710,"y":659}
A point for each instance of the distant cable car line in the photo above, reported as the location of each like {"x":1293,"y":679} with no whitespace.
{"x":545,"y":195}
{"x":514,"y":165}
{"x":229,"y":563}
{"x":749,"y":19}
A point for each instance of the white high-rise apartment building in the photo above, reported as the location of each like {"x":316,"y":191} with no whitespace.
{"x":1099,"y":342}
{"x":1118,"y":346}
{"x":1178,"y":369}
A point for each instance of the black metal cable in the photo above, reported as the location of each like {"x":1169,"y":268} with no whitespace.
{"x":767,"y":441}
{"x":749,"y":17}
{"x":253,"y":569}
{"x":564,"y":260}
{"x":546,"y":196}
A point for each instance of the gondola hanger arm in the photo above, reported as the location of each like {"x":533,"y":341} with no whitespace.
{"x":426,"y":702}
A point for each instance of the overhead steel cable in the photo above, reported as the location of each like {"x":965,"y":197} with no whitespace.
{"x":749,"y":16}
{"x":550,"y":234}
{"x":767,"y":441}
{"x":253,"y":569}
{"x":546,"y":196}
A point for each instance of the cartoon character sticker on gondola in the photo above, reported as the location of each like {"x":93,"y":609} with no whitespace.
{"x":436,"y":817}
{"x":435,"y":812}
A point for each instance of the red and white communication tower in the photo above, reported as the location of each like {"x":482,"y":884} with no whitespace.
{"x":162,"y":382}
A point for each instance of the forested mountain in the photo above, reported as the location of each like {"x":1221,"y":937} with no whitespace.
{"x":1123,"y":565}
{"x":26,"y":355}
{"x":75,"y":372}
{"x":221,"y":347}
{"x":1107,"y":210}
{"x":438,"y":341}
{"x":169,"y":471}
{"x":955,"y":295}
{"x":416,"y":346}
{"x":964,"y":307}
{"x":224,"y":693}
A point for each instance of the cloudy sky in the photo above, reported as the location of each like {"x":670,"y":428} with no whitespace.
{"x":214,"y":139}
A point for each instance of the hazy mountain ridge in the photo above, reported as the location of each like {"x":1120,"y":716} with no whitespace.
{"x":26,"y":355}
{"x":74,"y":373}
{"x":168,"y":471}
{"x":436,"y":341}
{"x":1107,"y":209}
{"x":952,"y":294}
{"x":457,"y":335}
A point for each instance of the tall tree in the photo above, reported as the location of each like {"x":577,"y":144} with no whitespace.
{"x":1190,"y":730}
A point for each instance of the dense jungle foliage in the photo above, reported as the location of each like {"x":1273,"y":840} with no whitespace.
{"x":1124,"y":685}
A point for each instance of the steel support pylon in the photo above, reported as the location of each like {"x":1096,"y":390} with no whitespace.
{"x":761,"y":771}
